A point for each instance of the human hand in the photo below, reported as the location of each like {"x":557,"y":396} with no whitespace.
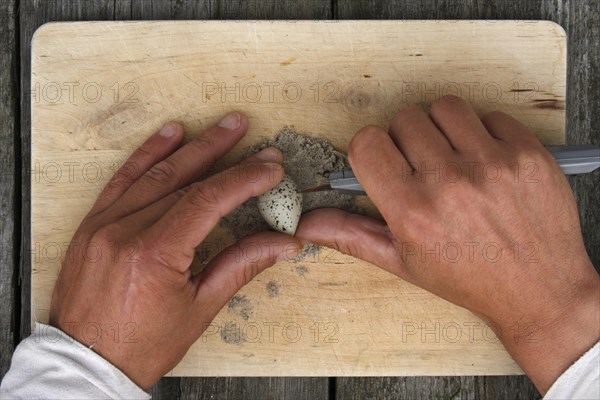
{"x":134,"y":299}
{"x":478,"y":213}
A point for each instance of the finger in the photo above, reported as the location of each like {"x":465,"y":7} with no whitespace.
{"x":237,"y":265}
{"x":177,"y":233}
{"x":418,"y":138}
{"x":507,"y":129}
{"x":353,"y":234}
{"x":382,"y":171}
{"x":156,"y":148}
{"x":460,"y":124}
{"x":187,"y":164}
{"x":146,"y":217}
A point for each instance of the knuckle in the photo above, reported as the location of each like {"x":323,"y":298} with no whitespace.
{"x":420,"y":221}
{"x":114,"y":184}
{"x":126,"y":175}
{"x":493,"y":116}
{"x":395,"y":250}
{"x":162,"y":173}
{"x":205,"y":196}
{"x":128,"y":172}
{"x":528,"y":139}
{"x":154,"y":253}
{"x":143,"y":152}
{"x":485,"y":155}
{"x":255,"y":173}
{"x":364,"y":138}
{"x":202,"y":143}
{"x":249,"y":273}
{"x":160,"y":257}
{"x":406,"y":112}
{"x":91,"y":224}
{"x":180,"y":193}
{"x":446,"y":104}
{"x":530,"y":155}
{"x":106,"y":235}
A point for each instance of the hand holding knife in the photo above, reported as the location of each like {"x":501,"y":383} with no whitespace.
{"x":572,"y":160}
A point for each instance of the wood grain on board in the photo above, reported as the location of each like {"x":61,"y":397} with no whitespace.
{"x":99,"y":89}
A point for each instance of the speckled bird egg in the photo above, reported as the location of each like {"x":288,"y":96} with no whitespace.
{"x":281,"y":206}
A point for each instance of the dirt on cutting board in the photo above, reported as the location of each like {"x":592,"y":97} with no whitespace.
{"x":308,"y":161}
{"x":241,"y":306}
{"x":273,"y":288}
{"x":302,"y":270}
{"x":231,"y":333}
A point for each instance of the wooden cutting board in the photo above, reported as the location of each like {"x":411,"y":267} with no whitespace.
{"x":100,"y":88}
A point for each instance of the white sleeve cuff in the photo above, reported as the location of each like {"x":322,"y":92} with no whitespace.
{"x":581,"y":380}
{"x":51,"y":364}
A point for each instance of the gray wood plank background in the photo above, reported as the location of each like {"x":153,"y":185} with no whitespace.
{"x":18,"y":22}
{"x":9,"y":181}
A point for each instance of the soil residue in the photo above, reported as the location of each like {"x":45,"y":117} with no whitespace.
{"x":302,"y":270}
{"x":310,"y":252}
{"x":241,"y":306}
{"x":308,"y":161}
{"x":231,"y":333}
{"x":273,"y":288}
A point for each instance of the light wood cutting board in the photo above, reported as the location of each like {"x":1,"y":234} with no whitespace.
{"x":99,"y":89}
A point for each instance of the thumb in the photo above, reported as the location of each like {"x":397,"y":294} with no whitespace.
{"x":352,"y":234}
{"x":238,"y":264}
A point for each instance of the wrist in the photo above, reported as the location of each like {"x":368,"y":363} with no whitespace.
{"x":547,"y":343}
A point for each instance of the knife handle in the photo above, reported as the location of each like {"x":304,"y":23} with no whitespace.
{"x":572,"y":160}
{"x":575,"y":160}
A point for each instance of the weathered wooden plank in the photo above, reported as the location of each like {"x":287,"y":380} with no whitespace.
{"x":437,"y":9}
{"x":10,"y":209}
{"x":153,"y":9}
{"x":505,"y":387}
{"x":275,"y":9}
{"x":165,"y":9}
{"x":414,"y":388}
{"x":253,"y":388}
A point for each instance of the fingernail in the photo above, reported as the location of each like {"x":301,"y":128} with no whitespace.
{"x":268,"y":154}
{"x":231,"y":121}
{"x":169,"y":130}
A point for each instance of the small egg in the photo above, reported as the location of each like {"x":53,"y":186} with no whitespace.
{"x":281,"y":206}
